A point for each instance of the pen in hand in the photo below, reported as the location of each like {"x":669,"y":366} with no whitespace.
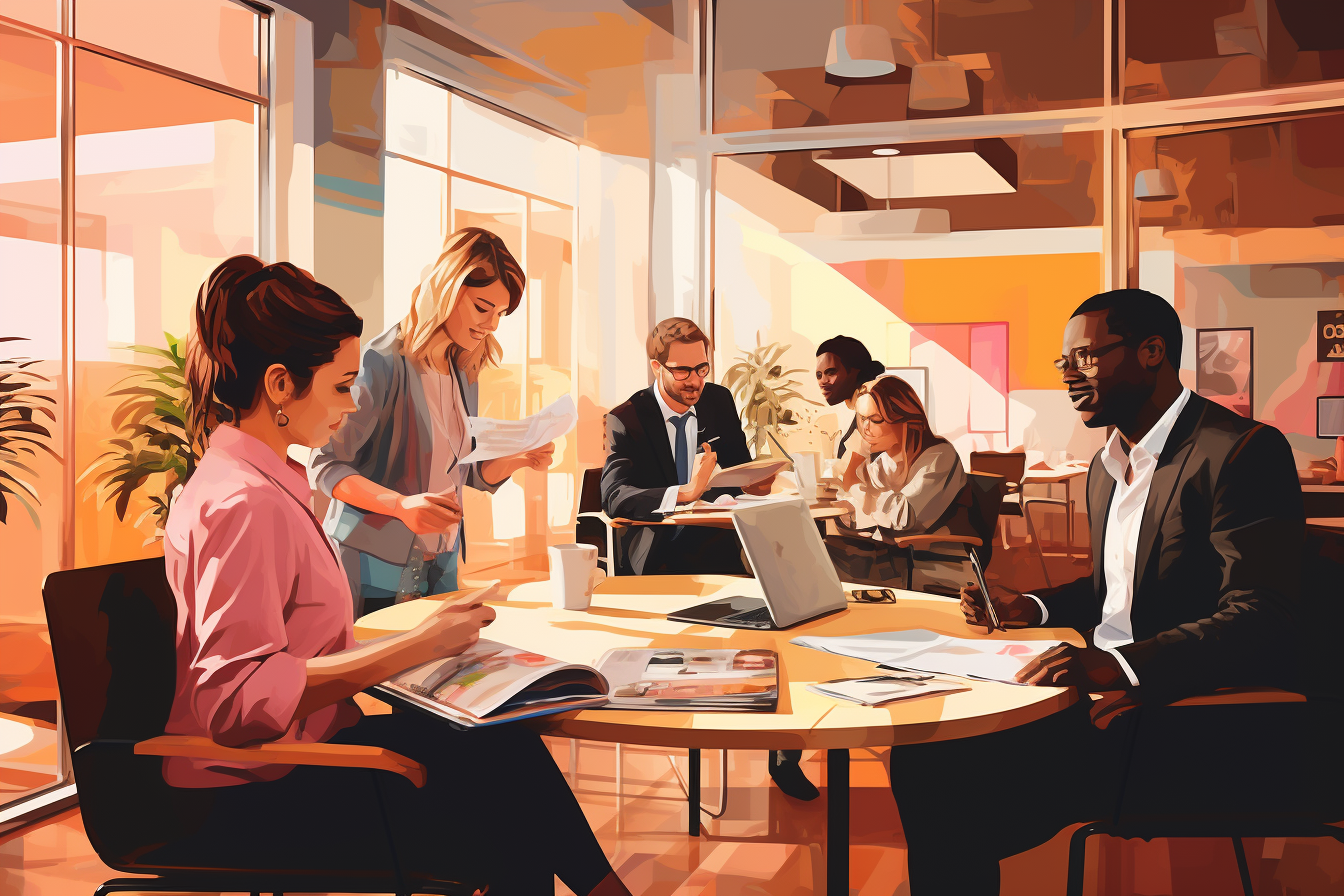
{"x":701,"y":449}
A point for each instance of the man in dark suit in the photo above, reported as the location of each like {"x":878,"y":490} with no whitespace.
{"x":1197,"y":531}
{"x":653,"y":465}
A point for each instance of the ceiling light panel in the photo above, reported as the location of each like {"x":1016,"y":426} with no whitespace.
{"x":917,"y":176}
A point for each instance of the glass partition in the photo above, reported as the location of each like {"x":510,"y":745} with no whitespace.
{"x":1248,"y":244}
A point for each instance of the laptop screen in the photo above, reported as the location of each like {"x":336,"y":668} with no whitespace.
{"x":789,"y":559}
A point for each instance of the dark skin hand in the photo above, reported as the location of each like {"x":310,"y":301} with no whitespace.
{"x":1089,"y":668}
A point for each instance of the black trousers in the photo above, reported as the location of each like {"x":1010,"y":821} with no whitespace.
{"x":966,"y":804}
{"x":495,"y":810}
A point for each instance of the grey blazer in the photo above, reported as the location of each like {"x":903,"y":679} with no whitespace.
{"x":389,"y":440}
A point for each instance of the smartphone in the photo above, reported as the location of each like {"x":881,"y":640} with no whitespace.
{"x":874,"y":595}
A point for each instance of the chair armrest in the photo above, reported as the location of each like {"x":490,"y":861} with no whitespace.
{"x":1235,"y":696}
{"x":919,"y":541}
{"x":599,"y":515}
{"x":1043,"y":500}
{"x":338,"y":755}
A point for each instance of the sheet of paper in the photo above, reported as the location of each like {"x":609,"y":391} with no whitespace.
{"x":925,"y":651}
{"x":503,"y":438}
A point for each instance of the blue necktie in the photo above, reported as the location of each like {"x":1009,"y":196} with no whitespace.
{"x":682,"y":454}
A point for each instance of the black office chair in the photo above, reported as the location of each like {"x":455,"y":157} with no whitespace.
{"x":113,"y":631}
{"x":1299,"y":781}
{"x":983,"y":498}
{"x":592,"y":525}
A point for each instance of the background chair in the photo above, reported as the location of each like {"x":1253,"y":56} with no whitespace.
{"x":113,"y":631}
{"x":592,"y":525}
{"x":1012,"y":466}
{"x":983,"y":497}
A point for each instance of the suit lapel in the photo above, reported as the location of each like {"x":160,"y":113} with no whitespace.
{"x":1100,"y":491}
{"x":655,"y":429}
{"x":1165,"y":479}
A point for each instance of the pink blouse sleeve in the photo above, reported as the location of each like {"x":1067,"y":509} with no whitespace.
{"x":245,"y":687}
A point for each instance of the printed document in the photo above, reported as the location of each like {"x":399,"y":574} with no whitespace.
{"x":503,"y":438}
{"x":921,"y":650}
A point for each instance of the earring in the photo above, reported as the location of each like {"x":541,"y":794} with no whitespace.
{"x":281,"y":419}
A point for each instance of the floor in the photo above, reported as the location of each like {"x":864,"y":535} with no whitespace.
{"x":765,"y":843}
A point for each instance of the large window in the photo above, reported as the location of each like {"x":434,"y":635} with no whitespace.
{"x":493,"y":171}
{"x":111,"y":214}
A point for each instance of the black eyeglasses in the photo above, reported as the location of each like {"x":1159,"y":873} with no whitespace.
{"x":874,"y":595}
{"x":1084,"y":359}
{"x":681,"y":373}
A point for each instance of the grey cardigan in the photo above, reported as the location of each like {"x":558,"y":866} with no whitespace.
{"x":387,"y":439}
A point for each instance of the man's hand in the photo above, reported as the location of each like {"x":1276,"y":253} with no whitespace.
{"x":430,"y":513}
{"x":1089,"y":668}
{"x":761,"y":488}
{"x":705,"y":462}
{"x":1015,"y":610}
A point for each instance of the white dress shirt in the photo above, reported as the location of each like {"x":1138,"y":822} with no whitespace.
{"x":1123,"y":522}
{"x":669,"y":503}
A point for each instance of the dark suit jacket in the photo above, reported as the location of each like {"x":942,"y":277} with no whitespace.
{"x":640,"y":465}
{"x":1219,"y":562}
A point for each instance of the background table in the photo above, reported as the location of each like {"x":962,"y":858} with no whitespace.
{"x":630,"y":611}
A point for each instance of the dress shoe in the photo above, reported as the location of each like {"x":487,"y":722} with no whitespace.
{"x":788,"y":777}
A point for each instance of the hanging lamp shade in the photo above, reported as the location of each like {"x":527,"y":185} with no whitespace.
{"x":1153,"y":184}
{"x":860,"y":51}
{"x":940,"y":84}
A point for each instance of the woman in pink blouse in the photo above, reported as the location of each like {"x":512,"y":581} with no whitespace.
{"x":265,"y":650}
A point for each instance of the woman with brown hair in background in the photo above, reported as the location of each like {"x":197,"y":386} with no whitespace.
{"x":266,"y":649}
{"x":909,"y":481}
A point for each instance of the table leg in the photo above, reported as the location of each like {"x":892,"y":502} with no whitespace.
{"x":837,"y":823}
{"x":693,"y":792}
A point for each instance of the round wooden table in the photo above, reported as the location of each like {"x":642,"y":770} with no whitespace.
{"x":630,"y":611}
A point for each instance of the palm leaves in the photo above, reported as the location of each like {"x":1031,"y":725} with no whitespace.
{"x":22,"y":432}
{"x":762,"y":387}
{"x":152,"y":437}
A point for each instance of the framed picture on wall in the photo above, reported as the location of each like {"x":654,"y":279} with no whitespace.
{"x":1225,"y":370}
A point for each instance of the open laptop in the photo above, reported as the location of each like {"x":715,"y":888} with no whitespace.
{"x":789,"y":559}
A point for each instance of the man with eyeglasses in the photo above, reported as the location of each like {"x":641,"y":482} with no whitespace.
{"x":1197,"y":531}
{"x":663,"y":445}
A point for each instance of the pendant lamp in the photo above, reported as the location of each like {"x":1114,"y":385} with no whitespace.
{"x":860,"y":51}
{"x":940,"y":83}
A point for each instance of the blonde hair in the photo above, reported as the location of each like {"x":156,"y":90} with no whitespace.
{"x":471,"y":257}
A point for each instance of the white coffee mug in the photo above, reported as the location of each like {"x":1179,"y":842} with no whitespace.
{"x":574,"y":575}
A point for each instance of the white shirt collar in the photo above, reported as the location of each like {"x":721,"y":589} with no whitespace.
{"x":664,"y":407}
{"x":1149,"y":448}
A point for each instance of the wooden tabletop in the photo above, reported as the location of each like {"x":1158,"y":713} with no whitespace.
{"x":1058,"y":474}
{"x":1334,"y":523}
{"x":630,"y":611}
{"x":723,"y":519}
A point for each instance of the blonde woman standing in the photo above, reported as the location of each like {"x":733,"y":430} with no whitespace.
{"x":393,"y":468}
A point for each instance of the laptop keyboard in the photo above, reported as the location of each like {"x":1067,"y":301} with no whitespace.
{"x":757,"y":618}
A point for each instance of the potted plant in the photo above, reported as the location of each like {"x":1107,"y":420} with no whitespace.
{"x":153,"y":449}
{"x":764,"y":389}
{"x":22,"y":432}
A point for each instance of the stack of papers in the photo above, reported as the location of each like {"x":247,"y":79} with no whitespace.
{"x":881,"y":689}
{"x":921,"y":650}
{"x":505,"y":438}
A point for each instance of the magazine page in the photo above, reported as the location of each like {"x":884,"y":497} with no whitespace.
{"x":671,"y":678}
{"x":488,"y":676}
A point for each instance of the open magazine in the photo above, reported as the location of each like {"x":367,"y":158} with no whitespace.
{"x":692,"y":679}
{"x":494,"y":683}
